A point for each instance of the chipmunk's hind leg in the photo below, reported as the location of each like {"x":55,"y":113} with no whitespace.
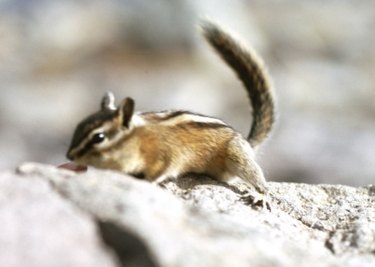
{"x":241,"y":163}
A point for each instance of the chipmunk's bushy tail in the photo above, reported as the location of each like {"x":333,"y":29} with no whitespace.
{"x":249,"y":68}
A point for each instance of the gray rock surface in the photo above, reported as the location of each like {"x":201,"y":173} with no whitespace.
{"x":39,"y":228}
{"x":78,"y":218}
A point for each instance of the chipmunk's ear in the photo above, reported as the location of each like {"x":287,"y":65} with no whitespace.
{"x":126,"y":110}
{"x":108,"y":102}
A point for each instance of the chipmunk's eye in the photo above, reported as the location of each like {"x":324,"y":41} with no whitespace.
{"x":98,"y":138}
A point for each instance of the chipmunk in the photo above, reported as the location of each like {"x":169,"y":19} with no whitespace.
{"x":158,"y":145}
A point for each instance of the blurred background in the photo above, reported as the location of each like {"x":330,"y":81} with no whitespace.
{"x":57,"y":58}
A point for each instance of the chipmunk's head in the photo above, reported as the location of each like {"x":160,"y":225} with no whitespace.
{"x":101,"y":130}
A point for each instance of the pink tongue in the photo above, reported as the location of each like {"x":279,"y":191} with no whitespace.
{"x":73,"y":167}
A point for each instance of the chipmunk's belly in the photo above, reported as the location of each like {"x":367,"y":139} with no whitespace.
{"x":210,"y":163}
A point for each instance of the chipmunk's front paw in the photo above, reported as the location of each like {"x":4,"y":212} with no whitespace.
{"x":161,"y":180}
{"x":257,"y":201}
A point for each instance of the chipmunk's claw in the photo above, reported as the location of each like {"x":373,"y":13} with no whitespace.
{"x":256,"y":201}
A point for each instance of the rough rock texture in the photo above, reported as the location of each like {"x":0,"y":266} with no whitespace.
{"x":40,"y":228}
{"x":191,"y":222}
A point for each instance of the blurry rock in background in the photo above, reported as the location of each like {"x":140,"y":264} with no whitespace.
{"x":57,"y":58}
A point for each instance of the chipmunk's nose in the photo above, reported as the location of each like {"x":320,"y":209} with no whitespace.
{"x":70,"y":155}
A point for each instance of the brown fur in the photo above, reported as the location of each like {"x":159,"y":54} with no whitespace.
{"x":162,"y":146}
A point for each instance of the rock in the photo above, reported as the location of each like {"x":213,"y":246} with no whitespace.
{"x":39,"y":228}
{"x":189,"y":222}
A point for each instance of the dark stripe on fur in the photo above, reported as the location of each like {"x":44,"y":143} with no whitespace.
{"x":194,"y":124}
{"x":90,"y":123}
{"x":171,"y":115}
{"x":175,"y":114}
